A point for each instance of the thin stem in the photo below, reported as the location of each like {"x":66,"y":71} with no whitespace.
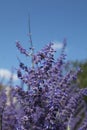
{"x":31,"y":44}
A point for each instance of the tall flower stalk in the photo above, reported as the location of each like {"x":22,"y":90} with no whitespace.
{"x":31,"y":44}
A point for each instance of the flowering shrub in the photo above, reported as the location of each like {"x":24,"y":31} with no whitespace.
{"x":51,"y":101}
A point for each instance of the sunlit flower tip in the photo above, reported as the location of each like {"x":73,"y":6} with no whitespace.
{"x":25,"y":118}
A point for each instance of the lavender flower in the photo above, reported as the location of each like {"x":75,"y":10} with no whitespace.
{"x":51,"y":102}
{"x":21,"y":49}
{"x":51,"y":97}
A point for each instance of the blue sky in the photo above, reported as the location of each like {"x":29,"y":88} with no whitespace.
{"x":51,"y":20}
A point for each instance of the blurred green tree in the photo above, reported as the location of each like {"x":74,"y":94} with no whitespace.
{"x":82,"y":77}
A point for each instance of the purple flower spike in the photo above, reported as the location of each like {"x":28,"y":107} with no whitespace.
{"x":21,"y":49}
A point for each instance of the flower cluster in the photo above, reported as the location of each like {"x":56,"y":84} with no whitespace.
{"x":52,"y":100}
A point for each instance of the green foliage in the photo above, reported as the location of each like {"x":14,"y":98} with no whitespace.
{"x":82,"y":77}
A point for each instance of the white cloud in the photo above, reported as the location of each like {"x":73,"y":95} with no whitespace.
{"x":57,"y":45}
{"x":4,"y":73}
